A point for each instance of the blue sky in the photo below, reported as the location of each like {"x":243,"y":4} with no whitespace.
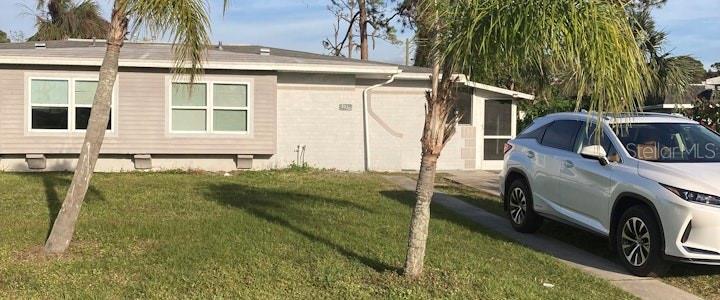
{"x":693,"y":25}
{"x":693,"y":28}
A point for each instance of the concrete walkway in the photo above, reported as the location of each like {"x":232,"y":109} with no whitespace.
{"x":643,"y":288}
{"x":484,"y":181}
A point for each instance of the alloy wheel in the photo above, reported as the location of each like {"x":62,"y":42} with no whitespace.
{"x":635,"y":241}
{"x":518,"y":205}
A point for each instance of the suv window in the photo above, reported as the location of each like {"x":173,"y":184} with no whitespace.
{"x":671,"y":142}
{"x":561,"y":134}
{"x":536,"y":134}
{"x":586,"y":137}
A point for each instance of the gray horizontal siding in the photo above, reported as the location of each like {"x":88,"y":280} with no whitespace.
{"x":141,"y":124}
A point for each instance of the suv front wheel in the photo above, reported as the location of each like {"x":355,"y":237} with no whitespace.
{"x":520,"y":208}
{"x":639,"y":242}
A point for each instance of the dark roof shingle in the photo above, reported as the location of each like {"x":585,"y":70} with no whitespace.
{"x":163,"y":51}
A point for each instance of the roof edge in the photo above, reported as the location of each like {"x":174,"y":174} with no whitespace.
{"x":669,"y":105}
{"x":143,"y":63}
{"x":256,"y":66}
{"x":514,"y":94}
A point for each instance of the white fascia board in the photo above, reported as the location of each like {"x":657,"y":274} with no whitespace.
{"x":142,"y":63}
{"x":669,"y":105}
{"x":461,"y":78}
{"x":713,"y":81}
{"x":494,"y":89}
{"x":680,"y":105}
{"x":413,"y":76}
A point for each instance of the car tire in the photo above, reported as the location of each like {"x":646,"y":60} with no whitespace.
{"x":519,"y":203}
{"x":638,"y":243}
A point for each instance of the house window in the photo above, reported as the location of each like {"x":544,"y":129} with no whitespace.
{"x":209,"y":107}
{"x":463,"y":107}
{"x":189,"y":111}
{"x":61,"y":104}
{"x":50,"y":104}
{"x":84,"y":96}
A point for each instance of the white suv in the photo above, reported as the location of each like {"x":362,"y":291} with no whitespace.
{"x":650,"y":183}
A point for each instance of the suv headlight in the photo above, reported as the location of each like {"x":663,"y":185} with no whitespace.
{"x":694,"y":196}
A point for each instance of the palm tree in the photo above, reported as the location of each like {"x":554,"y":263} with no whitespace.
{"x":61,"y":19}
{"x":590,"y":40}
{"x":187,"y":24}
{"x":671,"y":75}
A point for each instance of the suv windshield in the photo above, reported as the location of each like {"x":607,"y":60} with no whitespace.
{"x":670,"y":142}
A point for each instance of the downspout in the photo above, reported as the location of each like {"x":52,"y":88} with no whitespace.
{"x":366,"y":126}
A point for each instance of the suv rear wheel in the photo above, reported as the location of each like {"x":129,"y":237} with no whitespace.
{"x":520,"y":208}
{"x":638,"y":241}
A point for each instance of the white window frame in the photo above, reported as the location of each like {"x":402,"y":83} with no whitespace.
{"x":71,"y":105}
{"x":210,"y":107}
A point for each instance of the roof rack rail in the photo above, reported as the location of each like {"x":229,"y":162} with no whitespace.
{"x":650,"y":114}
{"x":594,"y":114}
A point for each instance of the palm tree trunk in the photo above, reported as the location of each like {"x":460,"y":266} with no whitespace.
{"x":64,"y":226}
{"x":415,"y":259}
{"x":432,"y":144}
{"x":363,"y":30}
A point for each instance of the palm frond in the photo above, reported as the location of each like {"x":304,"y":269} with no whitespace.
{"x":589,"y":40}
{"x":185,"y":22}
{"x":678,"y":76}
{"x":61,"y":19}
{"x":670,"y":76}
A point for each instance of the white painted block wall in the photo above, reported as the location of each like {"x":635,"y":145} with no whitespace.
{"x":309,"y":115}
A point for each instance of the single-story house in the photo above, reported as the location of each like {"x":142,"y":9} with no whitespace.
{"x":253,"y":108}
{"x":673,"y":104}
{"x":712,"y":83}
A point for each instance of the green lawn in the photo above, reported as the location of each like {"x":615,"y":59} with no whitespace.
{"x":703,"y":281}
{"x":272,"y":234}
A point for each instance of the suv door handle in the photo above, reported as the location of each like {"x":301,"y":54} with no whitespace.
{"x":568,"y":164}
{"x":531,"y":154}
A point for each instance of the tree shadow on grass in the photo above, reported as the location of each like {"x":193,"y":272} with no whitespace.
{"x":51,"y":182}
{"x":281,"y":208}
{"x":531,"y":242}
{"x":53,"y":201}
{"x":439,"y":212}
{"x":582,"y":239}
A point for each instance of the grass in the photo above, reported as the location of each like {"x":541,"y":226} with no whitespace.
{"x":279,"y":234}
{"x":703,"y":281}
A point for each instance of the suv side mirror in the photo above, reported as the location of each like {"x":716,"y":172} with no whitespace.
{"x":595,"y":152}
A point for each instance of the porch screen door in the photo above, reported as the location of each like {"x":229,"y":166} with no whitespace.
{"x":499,"y":128}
